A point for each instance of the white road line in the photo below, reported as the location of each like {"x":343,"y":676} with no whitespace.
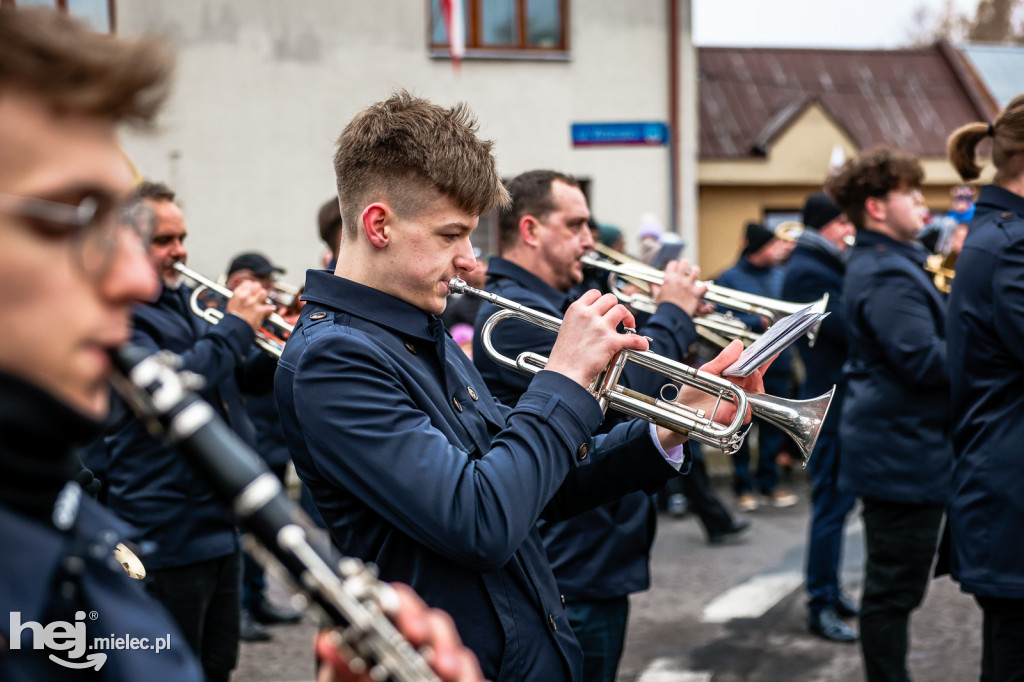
{"x":663,"y":670}
{"x":753,"y":598}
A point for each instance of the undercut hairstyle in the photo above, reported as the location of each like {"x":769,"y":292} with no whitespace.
{"x":157,"y":191}
{"x":410,"y":152}
{"x":1007,"y":132}
{"x":74,"y":70}
{"x":874,"y":173}
{"x":531,"y":195}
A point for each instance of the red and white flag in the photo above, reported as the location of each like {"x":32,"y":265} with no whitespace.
{"x":455,"y":24}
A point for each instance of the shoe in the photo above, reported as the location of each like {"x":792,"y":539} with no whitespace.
{"x":846,"y":607}
{"x":678,"y":505}
{"x":734,"y":532}
{"x":268,"y":614}
{"x":779,"y":498}
{"x":747,"y":502}
{"x":251,"y":631}
{"x":827,"y":625}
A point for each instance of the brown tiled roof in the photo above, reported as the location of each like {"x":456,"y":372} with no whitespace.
{"x":911,"y":99}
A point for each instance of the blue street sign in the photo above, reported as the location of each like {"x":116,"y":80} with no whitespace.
{"x":590,"y":134}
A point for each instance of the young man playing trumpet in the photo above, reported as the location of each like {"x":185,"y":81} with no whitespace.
{"x":411,"y":461}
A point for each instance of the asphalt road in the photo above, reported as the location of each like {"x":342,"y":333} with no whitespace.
{"x":725,"y":614}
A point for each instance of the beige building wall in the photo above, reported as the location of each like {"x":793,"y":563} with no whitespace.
{"x":264,"y":87}
{"x":735,"y":192}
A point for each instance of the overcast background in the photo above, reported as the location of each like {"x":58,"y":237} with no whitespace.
{"x":811,"y":23}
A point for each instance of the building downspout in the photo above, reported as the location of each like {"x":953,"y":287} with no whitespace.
{"x":683,"y":119}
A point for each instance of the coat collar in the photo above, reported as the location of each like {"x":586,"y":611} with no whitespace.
{"x":370,"y":304}
{"x":498,"y":268}
{"x":870,"y":240}
{"x":995,"y":198}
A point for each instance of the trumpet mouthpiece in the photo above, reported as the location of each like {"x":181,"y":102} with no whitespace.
{"x":456,"y":285}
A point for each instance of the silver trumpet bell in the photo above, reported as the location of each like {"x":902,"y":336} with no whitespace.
{"x":801,"y":420}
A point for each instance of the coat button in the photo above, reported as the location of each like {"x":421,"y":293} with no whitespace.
{"x":551,"y":621}
{"x":411,"y":348}
{"x":317,"y":316}
{"x":472,"y":393}
{"x":562,"y":597}
{"x":457,"y":404}
{"x":581,"y":453}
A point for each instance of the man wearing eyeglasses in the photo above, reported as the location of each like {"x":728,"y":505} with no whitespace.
{"x":894,"y":427}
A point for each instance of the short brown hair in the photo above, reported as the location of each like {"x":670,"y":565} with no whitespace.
{"x":75,"y":70}
{"x":531,"y":195}
{"x":406,"y":149}
{"x":875,"y":173}
{"x":1007,"y":133}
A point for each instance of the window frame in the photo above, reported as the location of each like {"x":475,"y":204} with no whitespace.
{"x":521,"y":50}
{"x":62,"y":6}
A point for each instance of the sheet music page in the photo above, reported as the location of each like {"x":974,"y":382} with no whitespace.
{"x":774,"y":340}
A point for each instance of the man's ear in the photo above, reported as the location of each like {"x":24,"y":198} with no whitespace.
{"x":377,"y":224}
{"x":874,"y":207}
{"x":528,"y":229}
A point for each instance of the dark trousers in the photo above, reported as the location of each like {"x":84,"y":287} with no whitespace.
{"x":1002,"y":654}
{"x":829,"y":509}
{"x":600,"y":628}
{"x":703,"y":502}
{"x":900,"y":540}
{"x":203,"y":599}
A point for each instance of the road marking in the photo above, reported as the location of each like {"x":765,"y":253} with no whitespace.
{"x":753,"y":598}
{"x":664,"y":670}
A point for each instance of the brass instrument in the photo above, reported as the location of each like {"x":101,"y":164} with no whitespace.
{"x":718,"y":328}
{"x":943,"y":270}
{"x":270,"y":337}
{"x":129,"y":562}
{"x":644,"y":275}
{"x":800,"y":419}
{"x":790,"y":231}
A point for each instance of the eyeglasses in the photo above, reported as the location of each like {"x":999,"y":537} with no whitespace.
{"x":93,"y":225}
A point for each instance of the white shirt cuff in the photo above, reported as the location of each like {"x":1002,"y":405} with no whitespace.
{"x":674,"y":456}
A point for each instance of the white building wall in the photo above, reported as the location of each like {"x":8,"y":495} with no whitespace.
{"x":265,"y":86}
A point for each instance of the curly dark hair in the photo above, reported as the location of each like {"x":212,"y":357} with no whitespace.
{"x":875,"y":173}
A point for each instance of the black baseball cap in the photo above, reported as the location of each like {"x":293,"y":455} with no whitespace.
{"x":258,"y":263}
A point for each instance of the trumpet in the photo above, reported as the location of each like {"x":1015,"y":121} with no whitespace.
{"x":771,"y":308}
{"x":718,"y":328}
{"x":800,"y":419}
{"x":942,"y":267}
{"x":790,"y":231}
{"x":270,"y":337}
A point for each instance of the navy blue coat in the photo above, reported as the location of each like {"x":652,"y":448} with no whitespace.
{"x":814,"y":270}
{"x":602,"y":553}
{"x":121,"y":606}
{"x":415,"y":466}
{"x":153,"y":486}
{"x":986,"y":339}
{"x":894,"y":426}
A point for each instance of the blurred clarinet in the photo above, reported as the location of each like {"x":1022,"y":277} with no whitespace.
{"x":351,"y":597}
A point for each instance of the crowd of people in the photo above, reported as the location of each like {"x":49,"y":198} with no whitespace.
{"x":512,"y":513}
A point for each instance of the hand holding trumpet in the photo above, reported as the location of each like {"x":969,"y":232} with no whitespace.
{"x":250,"y":302}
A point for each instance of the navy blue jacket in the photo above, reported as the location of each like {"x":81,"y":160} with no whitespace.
{"x":894,"y":426}
{"x":37,"y":433}
{"x":153,"y":486}
{"x":602,"y":553}
{"x":270,"y":443}
{"x":813,"y":270}
{"x":745,"y":276}
{"x":986,"y":338}
{"x":415,"y":466}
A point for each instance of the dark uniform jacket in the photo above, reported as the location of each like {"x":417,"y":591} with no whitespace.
{"x":602,"y":553}
{"x":894,"y":426}
{"x":153,"y":486}
{"x":68,"y":575}
{"x":986,"y":353}
{"x":815,"y":269}
{"x":415,"y":466}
